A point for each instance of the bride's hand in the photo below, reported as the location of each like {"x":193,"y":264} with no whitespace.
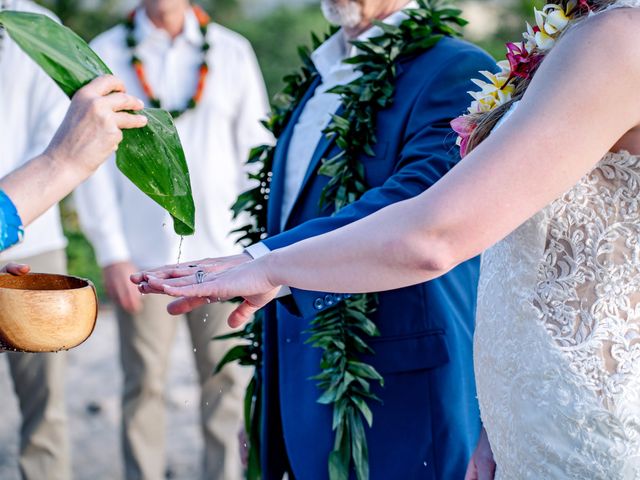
{"x":207,"y":265}
{"x":249,"y":280}
{"x":482,"y":465}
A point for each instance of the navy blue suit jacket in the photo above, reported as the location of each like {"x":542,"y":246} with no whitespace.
{"x":428,"y":421}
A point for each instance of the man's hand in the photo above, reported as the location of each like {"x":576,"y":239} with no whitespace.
{"x":91,"y":130}
{"x":481,"y":466}
{"x":15,"y":269}
{"x":207,"y":265}
{"x":120,"y":289}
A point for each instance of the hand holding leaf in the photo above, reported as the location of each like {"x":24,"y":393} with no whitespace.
{"x":151,"y":157}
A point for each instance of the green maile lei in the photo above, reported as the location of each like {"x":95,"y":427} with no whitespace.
{"x":342,"y":331}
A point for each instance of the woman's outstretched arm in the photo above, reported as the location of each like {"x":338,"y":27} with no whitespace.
{"x":584,"y":98}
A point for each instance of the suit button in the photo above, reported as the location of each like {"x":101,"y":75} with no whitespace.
{"x":328,"y":300}
{"x":318,"y":304}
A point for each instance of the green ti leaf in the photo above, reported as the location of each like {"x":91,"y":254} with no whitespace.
{"x":340,"y":457}
{"x":151,"y":157}
{"x":359,"y":448}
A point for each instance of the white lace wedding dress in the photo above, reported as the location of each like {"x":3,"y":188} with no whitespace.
{"x":557,"y":343}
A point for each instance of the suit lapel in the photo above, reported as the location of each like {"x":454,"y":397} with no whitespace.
{"x":274,"y":207}
{"x":324,"y":145}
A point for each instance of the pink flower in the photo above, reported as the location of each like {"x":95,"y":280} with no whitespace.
{"x":584,"y":4}
{"x":521,"y":61}
{"x":464,"y":126}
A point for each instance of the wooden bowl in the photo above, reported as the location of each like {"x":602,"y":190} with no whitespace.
{"x":45,"y":313}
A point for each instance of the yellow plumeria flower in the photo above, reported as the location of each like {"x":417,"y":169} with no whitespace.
{"x":494,"y":92}
{"x":551,"y":21}
{"x":556,"y":19}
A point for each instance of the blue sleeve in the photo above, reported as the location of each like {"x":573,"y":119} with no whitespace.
{"x":11,"y":230}
{"x":427,"y":154}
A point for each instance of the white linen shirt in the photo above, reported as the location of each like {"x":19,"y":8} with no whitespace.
{"x":316,"y":114}
{"x":32,"y":107}
{"x":121,"y":222}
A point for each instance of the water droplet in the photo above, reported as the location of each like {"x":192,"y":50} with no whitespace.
{"x":180,"y":249}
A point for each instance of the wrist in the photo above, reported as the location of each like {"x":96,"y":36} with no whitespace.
{"x":62,"y":163}
{"x":271,"y":266}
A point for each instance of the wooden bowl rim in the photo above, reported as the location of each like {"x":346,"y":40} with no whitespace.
{"x":29,"y":282}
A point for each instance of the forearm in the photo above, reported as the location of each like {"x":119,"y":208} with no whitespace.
{"x":39,"y":184}
{"x":362,"y":257}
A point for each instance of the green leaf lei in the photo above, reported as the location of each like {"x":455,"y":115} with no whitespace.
{"x":340,"y":331}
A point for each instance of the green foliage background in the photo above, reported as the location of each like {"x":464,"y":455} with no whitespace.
{"x":274,"y":36}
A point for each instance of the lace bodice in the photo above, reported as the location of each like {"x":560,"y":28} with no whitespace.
{"x":558,"y":334}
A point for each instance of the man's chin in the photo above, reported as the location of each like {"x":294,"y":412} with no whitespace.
{"x":347,"y":16}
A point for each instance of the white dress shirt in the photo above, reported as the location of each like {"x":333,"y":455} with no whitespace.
{"x":316,"y":114}
{"x":121,"y":222}
{"x":32,"y":108}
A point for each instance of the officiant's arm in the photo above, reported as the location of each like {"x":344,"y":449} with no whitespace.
{"x":90,"y":132}
{"x":427,"y":154}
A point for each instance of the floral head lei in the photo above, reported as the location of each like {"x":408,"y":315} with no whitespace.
{"x":522,"y":60}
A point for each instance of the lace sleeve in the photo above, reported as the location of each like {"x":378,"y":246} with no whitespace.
{"x":11,"y":230}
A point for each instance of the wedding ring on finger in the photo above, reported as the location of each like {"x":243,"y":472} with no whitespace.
{"x":200,"y":276}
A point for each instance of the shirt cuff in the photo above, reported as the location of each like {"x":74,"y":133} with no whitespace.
{"x":258,"y":250}
{"x":11,"y":229}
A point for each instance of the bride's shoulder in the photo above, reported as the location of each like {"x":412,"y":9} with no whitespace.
{"x":613,"y":26}
{"x":608,"y":40}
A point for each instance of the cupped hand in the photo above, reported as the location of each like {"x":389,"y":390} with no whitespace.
{"x":120,"y":289}
{"x":249,"y":280}
{"x":91,"y":130}
{"x":15,"y":269}
{"x":482,"y":465}
{"x":207,"y":265}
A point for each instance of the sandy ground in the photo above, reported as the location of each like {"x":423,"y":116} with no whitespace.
{"x":93,"y":400}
